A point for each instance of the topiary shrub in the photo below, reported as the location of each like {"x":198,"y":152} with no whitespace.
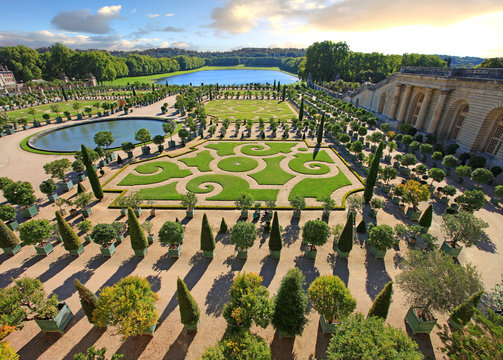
{"x":88,"y":300}
{"x":315,"y":232}
{"x":35,"y":232}
{"x":7,"y":237}
{"x":275,"y":241}
{"x":104,"y":234}
{"x":243,"y":235}
{"x":331,"y":298}
{"x":207,"y":238}
{"x":381,"y":303}
{"x":223,"y":227}
{"x":91,"y":174}
{"x":138,"y":239}
{"x":381,"y":237}
{"x":189,"y":311}
{"x":239,"y":346}
{"x":373,"y":172}
{"x":362,"y":227}
{"x":345,"y":243}
{"x":426,"y":218}
{"x":463,"y":313}
{"x":171,"y":233}
{"x":71,"y":240}
{"x":477,"y":162}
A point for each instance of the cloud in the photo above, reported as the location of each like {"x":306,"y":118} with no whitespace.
{"x":84,"y":21}
{"x":173,"y":29}
{"x":152,"y":16}
{"x":133,"y":11}
{"x":170,"y":14}
{"x":181,"y":44}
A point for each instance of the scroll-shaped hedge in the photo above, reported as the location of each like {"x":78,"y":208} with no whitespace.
{"x":314,"y":167}
{"x":168,"y":171}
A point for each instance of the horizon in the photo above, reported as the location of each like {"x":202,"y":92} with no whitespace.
{"x":455,"y":28}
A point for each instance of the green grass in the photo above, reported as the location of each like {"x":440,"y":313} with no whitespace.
{"x":232,"y":186}
{"x":168,"y":171}
{"x":164,"y":192}
{"x":46,"y":108}
{"x":274,"y":148}
{"x":273,"y":174}
{"x":133,"y":79}
{"x":319,"y":188}
{"x":237,"y":164}
{"x":314,"y":168}
{"x":224,"y":148}
{"x":249,"y":109}
{"x":302,"y":149}
{"x":201,"y":161}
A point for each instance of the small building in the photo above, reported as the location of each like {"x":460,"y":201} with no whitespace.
{"x":92,"y":80}
{"x":7,"y":80}
{"x":64,"y":78}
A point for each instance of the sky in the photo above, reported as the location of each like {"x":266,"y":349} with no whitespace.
{"x":451,"y":27}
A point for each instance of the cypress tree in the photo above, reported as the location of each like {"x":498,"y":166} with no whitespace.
{"x":284,"y":93}
{"x":274,"y":86}
{"x":138,"y":239}
{"x":91,"y":174}
{"x":463,"y":313}
{"x":7,"y":237}
{"x":70,"y":239}
{"x":88,"y":300}
{"x":362,"y":227}
{"x":80,"y":188}
{"x":207,"y":238}
{"x":372,"y":176}
{"x":223,"y":227}
{"x":189,"y":311}
{"x":426,"y":218}
{"x":275,"y":241}
{"x":381,"y":303}
{"x":119,"y":159}
{"x":64,"y":93}
{"x":320,"y":130}
{"x":278,"y":86}
{"x":290,"y":304}
{"x":301,"y":110}
{"x":345,"y":243}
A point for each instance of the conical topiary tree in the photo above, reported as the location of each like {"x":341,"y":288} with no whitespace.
{"x":362,"y":227}
{"x":381,"y":303}
{"x":91,"y":174}
{"x":290,"y":305}
{"x":139,"y":241}
{"x":345,"y":244}
{"x":223,"y":227}
{"x":80,"y":188}
{"x":7,"y":237}
{"x":463,"y":313}
{"x":319,"y":135}
{"x":88,"y":300}
{"x":275,"y":241}
{"x":189,"y":311}
{"x":372,"y":175}
{"x":207,"y":238}
{"x":301,"y":110}
{"x":426,"y":218}
{"x":71,"y":241}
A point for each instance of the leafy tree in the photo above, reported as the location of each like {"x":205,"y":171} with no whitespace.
{"x":189,"y":311}
{"x":223,"y":227}
{"x":35,"y":231}
{"x":381,"y":303}
{"x":171,"y":233}
{"x":463,"y":227}
{"x":7,"y":212}
{"x":471,"y":200}
{"x":127,"y":147}
{"x":138,"y":239}
{"x":103,"y":234}
{"x":78,"y":166}
{"x":345,"y":242}
{"x":298,"y":203}
{"x":8,"y":238}
{"x":183,"y":133}
{"x":372,"y":176}
{"x":88,"y":300}
{"x":239,"y":346}
{"x":408,"y":159}
{"x":70,"y":239}
{"x":315,"y":232}
{"x":481,"y":175}
{"x":91,"y":173}
{"x":381,"y":237}
{"x":244,"y":201}
{"x":169,"y":128}
{"x":360,"y":338}
{"x":389,"y":173}
{"x":331,"y":298}
{"x":142,"y":135}
{"x":207,"y":237}
{"x":19,"y":193}
{"x":103,"y":138}
{"x":96,"y":354}
{"x":189,"y":200}
{"x":414,"y":193}
{"x":243,"y":234}
{"x":427,"y":217}
{"x":463,"y":313}
{"x":436,"y":174}
{"x":449,"y":161}
{"x":275,"y":241}
{"x":290,"y":304}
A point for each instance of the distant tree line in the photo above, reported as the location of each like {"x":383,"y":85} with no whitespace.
{"x":492,"y":63}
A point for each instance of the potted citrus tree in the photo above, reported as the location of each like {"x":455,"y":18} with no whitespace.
{"x":463,"y":227}
{"x":104,"y":235}
{"x":189,"y":200}
{"x":243,"y":203}
{"x":243,"y":235}
{"x":85,"y":226}
{"x":37,"y":232}
{"x":48,"y":187}
{"x":9,"y":242}
{"x":381,"y":238}
{"x":120,"y":230}
{"x":57,"y":169}
{"x":82,"y":201}
{"x":21,"y":193}
{"x":298,"y":204}
{"x":147,"y":227}
{"x":79,"y":167}
{"x":314,"y":233}
{"x":8,"y":215}
{"x":413,"y":193}
{"x":328,"y":205}
{"x":256,"y":213}
{"x":171,"y":234}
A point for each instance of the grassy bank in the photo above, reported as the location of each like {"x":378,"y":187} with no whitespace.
{"x":133,"y":79}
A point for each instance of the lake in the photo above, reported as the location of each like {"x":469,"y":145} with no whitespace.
{"x":229,"y":77}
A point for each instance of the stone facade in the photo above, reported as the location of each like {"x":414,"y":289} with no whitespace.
{"x":461,"y":105}
{"x":7,"y":79}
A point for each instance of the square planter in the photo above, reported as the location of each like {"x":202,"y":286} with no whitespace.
{"x":310,"y":252}
{"x":87,"y":239}
{"x":12,"y":224}
{"x":52,"y":197}
{"x":326,"y":327}
{"x":108,"y":251}
{"x":171,"y":144}
{"x":145,"y":150}
{"x":256,"y":215}
{"x":378,"y":253}
{"x":137,"y":212}
{"x":112,"y":156}
{"x":59,"y":120}
{"x":12,"y":250}
{"x":208,"y":254}
{"x":244,"y":214}
{"x":86,"y":212}
{"x":81,"y":177}
{"x":387,"y":158}
{"x":296,"y":214}
{"x":449,"y":250}
{"x":123,"y":212}
{"x":413,"y":215}
{"x":175,"y":252}
{"x":67,"y":185}
{"x":140,"y":252}
{"x":44,"y":250}
{"x":150,"y":238}
{"x":405,"y":171}
{"x":59,"y":322}
{"x":160,"y":148}
{"x":243,"y":254}
{"x":29,"y":212}
{"x":119,"y":238}
{"x":342,"y":254}
{"x":10,"y":131}
{"x":418,"y":325}
{"x":130,"y":155}
{"x":189,"y":213}
{"x":191,"y":327}
{"x":275,"y":254}
{"x":150,"y":330}
{"x":78,"y":251}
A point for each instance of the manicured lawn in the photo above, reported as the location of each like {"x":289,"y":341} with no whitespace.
{"x":249,"y":109}
{"x":273,"y":174}
{"x":274,"y":148}
{"x":169,"y":170}
{"x":232,"y":186}
{"x":224,"y":148}
{"x":164,"y":192}
{"x":237,"y":164}
{"x":319,"y":188}
{"x":314,"y":168}
{"x":201,"y":161}
{"x":46,"y":108}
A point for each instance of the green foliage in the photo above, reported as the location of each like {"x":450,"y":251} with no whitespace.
{"x":244,"y":201}
{"x":413,"y":192}
{"x":315,"y":232}
{"x":243,"y":234}
{"x":463,"y":171}
{"x":189,"y":311}
{"x":88,"y":300}
{"x":471,"y":200}
{"x":463,"y":313}
{"x":48,"y":186}
{"x":96,"y":354}
{"x":35,"y":231}
{"x":128,"y":305}
{"x":104,"y":234}
{"x":373,"y":172}
{"x":382,"y":237}
{"x":362,"y":227}
{"x":463,"y":227}
{"x":345,"y":242}
{"x":19,"y":193}
{"x":408,"y":159}
{"x":298,"y":203}
{"x":202,"y":161}
{"x":359,"y":338}
{"x":91,"y":174}
{"x":103,"y":138}
{"x":127,"y":146}
{"x":7,"y":212}
{"x":449,"y":161}
{"x":275,"y":241}
{"x":239,"y":346}
{"x":8,"y":238}
{"x":481,"y":175}
{"x":306,"y":163}
{"x":207,"y":237}
{"x":142,"y":135}
{"x":138,"y":239}
{"x":237,"y":164}
{"x":169,"y":170}
{"x":223,"y":227}
{"x":272,"y":174}
{"x":331,"y":298}
{"x":70,"y":239}
{"x":189,"y":200}
{"x":319,"y":134}
{"x":250,"y":303}
{"x":171,"y":233}
{"x":434,"y":281}
{"x":80,"y":188}
{"x":427,"y":217}
{"x":381,"y":303}
{"x":58,"y":168}
{"x":436,"y":174}
{"x":319,"y":188}
{"x":290,"y":304}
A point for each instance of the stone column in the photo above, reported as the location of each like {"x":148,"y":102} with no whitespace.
{"x":438,"y":111}
{"x":394,"y":104}
{"x":405,"y":102}
{"x":424,"y":108}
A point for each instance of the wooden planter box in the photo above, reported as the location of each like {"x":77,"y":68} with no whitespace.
{"x":256,"y":215}
{"x":342,"y":254}
{"x":378,"y":253}
{"x":150,"y":238}
{"x":145,"y":150}
{"x":326,"y":214}
{"x":175,"y":252}
{"x":189,"y":213}
{"x":413,"y":215}
{"x":326,"y":327}
{"x":78,"y":251}
{"x":59,"y":322}
{"x":418,"y":325}
{"x":29,"y":212}
{"x":119,"y":238}
{"x":171,"y":144}
{"x":449,"y":250}
{"x":81,"y":177}
{"x":129,"y":154}
{"x":243,"y":254}
{"x":191,"y":327}
{"x":44,"y":250}
{"x":160,"y":148}
{"x":140,"y":252}
{"x":12,"y":224}
{"x":123,"y":212}
{"x":12,"y":250}
{"x":108,"y":251}
{"x":275,"y":254}
{"x":208,"y":254}
{"x":150,"y":330}
{"x":87,"y":239}
{"x":86,"y":212}
{"x":137,"y":212}
{"x":310,"y":252}
{"x":67,"y":185}
{"x":244,"y":214}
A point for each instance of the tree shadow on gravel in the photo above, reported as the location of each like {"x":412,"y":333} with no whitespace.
{"x":96,"y":261}
{"x":6,"y":277}
{"x":291,"y":232}
{"x":282,"y":348}
{"x":38,"y":345}
{"x":134,"y":346}
{"x":199,"y":265}
{"x":339,"y":267}
{"x":322,"y":341}
{"x":125,"y":269}
{"x":155,"y":282}
{"x":310,"y":272}
{"x":223,"y":238}
{"x":57,"y":266}
{"x":218,"y":295}
{"x":85,"y":342}
{"x":67,"y":289}
{"x":235,"y":263}
{"x":164,"y":263}
{"x":423,"y":341}
{"x":179,"y":347}
{"x":377,"y":276}
{"x":268,"y":270}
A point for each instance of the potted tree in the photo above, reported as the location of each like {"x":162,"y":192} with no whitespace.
{"x":147,"y":227}
{"x":8,"y":215}
{"x":57,"y":169}
{"x":37,"y":232}
{"x":21,"y":193}
{"x":171,"y":234}
{"x":189,"y":311}
{"x":381,"y":238}
{"x":243,"y":203}
{"x":79,"y":167}
{"x":332,"y":300}
{"x":189,"y":200}
{"x":48,"y":187}
{"x":298,"y":203}
{"x":85,"y":226}
{"x":414,"y":193}
{"x":275,"y":241}
{"x":128,"y":148}
{"x":60,"y":203}
{"x":463,"y":227}
{"x":143,"y":135}
{"x":256,"y":206}
{"x":71,"y":241}
{"x":207,"y":238}
{"x":169,"y":128}
{"x":9,"y":242}
{"x":82,"y":201}
{"x":328,"y":205}
{"x":243,"y":235}
{"x":103,"y":235}
{"x":345,"y":241}
{"x":137,"y":316}
{"x":314,"y":233}
{"x":159,"y":140}
{"x":120,"y":230}
{"x":139,"y":241}
{"x":376,"y":204}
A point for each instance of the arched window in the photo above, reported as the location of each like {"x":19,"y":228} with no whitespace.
{"x":458,"y":122}
{"x":417,"y":109}
{"x":496,"y":139}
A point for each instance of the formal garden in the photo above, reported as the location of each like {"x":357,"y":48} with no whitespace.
{"x":249,"y":109}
